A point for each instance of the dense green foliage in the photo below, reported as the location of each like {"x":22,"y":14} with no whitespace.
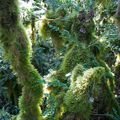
{"x":74,"y":45}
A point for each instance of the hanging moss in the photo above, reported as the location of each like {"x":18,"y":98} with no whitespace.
{"x":48,"y":29}
{"x":43,"y":28}
{"x":52,"y":26}
{"x":18,"y":49}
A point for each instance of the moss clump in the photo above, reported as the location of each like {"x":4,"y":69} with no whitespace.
{"x":43,"y":28}
{"x":78,"y":54}
{"x":49,"y":29}
{"x":18,"y":49}
{"x":77,"y":71}
{"x":79,"y":97}
{"x":52,"y":26}
{"x":94,"y":84}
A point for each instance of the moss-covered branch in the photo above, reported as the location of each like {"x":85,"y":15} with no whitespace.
{"x":18,"y":50}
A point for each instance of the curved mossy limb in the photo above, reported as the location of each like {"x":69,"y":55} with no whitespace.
{"x":18,"y":50}
{"x":80,"y":96}
{"x":92,"y":85}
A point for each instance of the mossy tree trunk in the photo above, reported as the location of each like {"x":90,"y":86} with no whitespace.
{"x":18,"y":49}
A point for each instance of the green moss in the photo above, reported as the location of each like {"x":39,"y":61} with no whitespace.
{"x":78,"y":54}
{"x":78,"y":98}
{"x":43,"y":28}
{"x":18,"y":49}
{"x":87,"y":88}
{"x":49,"y":29}
{"x":77,"y":71}
{"x":52,"y":26}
